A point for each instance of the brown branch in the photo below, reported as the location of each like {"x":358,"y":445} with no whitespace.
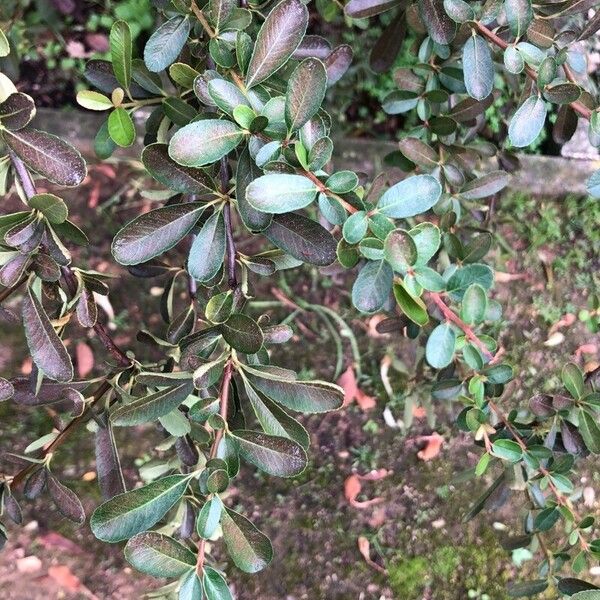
{"x":451,"y":316}
{"x":64,"y":434}
{"x":67,"y":273}
{"x":202,"y":20}
{"x":4,"y":294}
{"x":325,"y":190}
{"x":223,"y":409}
{"x":578,"y":107}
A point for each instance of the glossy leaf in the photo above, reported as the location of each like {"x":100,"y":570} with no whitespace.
{"x":242,"y":333}
{"x":130,"y":513}
{"x":372,"y":286}
{"x":209,"y":517}
{"x":250,"y":550}
{"x":166,"y":43}
{"x":159,"y":555}
{"x":47,"y":350}
{"x":274,"y":455}
{"x":527,"y":122}
{"x":48,"y":155}
{"x":17,"y":111}
{"x":155,"y":232}
{"x":121,"y":128}
{"x":484,"y":186}
{"x":410,"y":197}
{"x":478,"y":67}
{"x":120,"y":52}
{"x":51,"y":206}
{"x":151,"y":407}
{"x":414,"y":308}
{"x":204,"y":142}
{"x":208,"y":250}
{"x":305,"y":92}
{"x":278,"y":38}
{"x":280,"y":193}
{"x":302,"y":238}
{"x":439,"y":350}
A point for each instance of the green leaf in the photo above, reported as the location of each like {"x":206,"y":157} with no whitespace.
{"x":155,"y":232}
{"x":281,"y":193}
{"x":586,"y":595}
{"x":215,"y":586}
{"x":165,"y":170}
{"x":410,"y":197}
{"x":570,"y":585}
{"x":302,"y":238}
{"x":278,"y":38}
{"x":359,"y":9}
{"x":242,"y":333}
{"x":279,"y":456}
{"x":507,"y":450}
{"x":204,"y":142}
{"x":250,"y":550}
{"x":4,"y":45}
{"x":572,"y":378}
{"x":546,"y":519}
{"x":166,"y":43}
{"x":247,"y":171}
{"x":439,"y":350}
{"x":305,"y":92}
{"x":562,"y":93}
{"x":150,"y":408}
{"x":519,"y":15}
{"x":527,"y":588}
{"x":227,"y":96}
{"x":48,"y":155}
{"x":459,"y":11}
{"x":465,"y":276}
{"x":300,"y":396}
{"x":47,"y":350}
{"x":93,"y":100}
{"x":121,"y":128}
{"x":17,"y":111}
{"x":419,"y":152}
{"x":208,"y":250}
{"x":440,"y":26}
{"x":219,"y":307}
{"x":65,"y":500}
{"x":51,"y":206}
{"x":135,"y":511}
{"x":372,"y":286}
{"x":474,"y":305}
{"x":478,"y":67}
{"x":209,"y":517}
{"x":427,"y":239}
{"x":527,"y":122}
{"x":593,"y":185}
{"x":355,"y":227}
{"x":191,"y":587}
{"x":6,"y":390}
{"x":159,"y":555}
{"x":487,"y":185}
{"x":400,"y":250}
{"x":589,"y":430}
{"x":120,"y":52}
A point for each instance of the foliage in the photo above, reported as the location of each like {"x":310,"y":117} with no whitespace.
{"x":235,"y":85}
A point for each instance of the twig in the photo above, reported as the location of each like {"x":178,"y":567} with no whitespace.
{"x":202,"y":19}
{"x":4,"y":294}
{"x":231,"y":250}
{"x":578,"y":107}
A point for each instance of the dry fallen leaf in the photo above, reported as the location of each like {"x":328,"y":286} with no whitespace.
{"x":353,"y":487}
{"x":501,"y":277}
{"x":364,"y":547}
{"x":347,"y":381}
{"x":29,"y":564}
{"x":432,"y":447}
{"x":64,"y":577}
{"x":586,"y":349}
{"x":555,"y":339}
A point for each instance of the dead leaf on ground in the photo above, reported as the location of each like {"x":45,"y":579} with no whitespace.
{"x":364,"y":547}
{"x":353,"y":487}
{"x":347,"y":381}
{"x":432,"y":447}
{"x":565,"y":321}
{"x":586,"y":349}
{"x":64,"y":577}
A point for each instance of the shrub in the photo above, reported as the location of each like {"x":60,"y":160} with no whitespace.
{"x":238,"y":137}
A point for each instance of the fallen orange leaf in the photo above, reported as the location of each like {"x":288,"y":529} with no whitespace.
{"x":64,"y":577}
{"x":347,"y":381}
{"x":364,"y":547}
{"x":432,"y":448}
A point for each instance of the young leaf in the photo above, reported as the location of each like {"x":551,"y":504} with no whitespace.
{"x":48,"y":155}
{"x":204,"y":142}
{"x":166,"y":43}
{"x":127,"y":514}
{"x":305,"y":92}
{"x":274,"y":455}
{"x":208,"y":250}
{"x":152,"y":407}
{"x":250,"y":550}
{"x":572,"y":378}
{"x":51,"y":206}
{"x":242,"y":333}
{"x":302,"y":238}
{"x":121,"y":128}
{"x":155,"y":232}
{"x":414,"y":308}
{"x":278,"y":38}
{"x":66,"y":500}
{"x":410,"y":197}
{"x":159,"y":555}
{"x":478,"y":67}
{"x":47,"y":350}
{"x":301,"y":396}
{"x":120,"y":52}
{"x":215,"y":587}
{"x":439,"y":350}
{"x":280,"y":193}
{"x":372,"y":286}
{"x":527,"y":122}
